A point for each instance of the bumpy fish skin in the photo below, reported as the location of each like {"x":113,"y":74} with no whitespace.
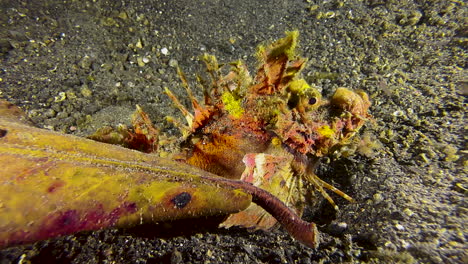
{"x":275,"y":113}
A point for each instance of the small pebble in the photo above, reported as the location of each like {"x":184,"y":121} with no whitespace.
{"x":176,"y":257}
{"x":49,"y":113}
{"x":377,"y":198}
{"x":140,"y":62}
{"x":405,"y":244}
{"x":173,"y":63}
{"x":139,"y":44}
{"x":398,"y":113}
{"x":408,"y":212}
{"x":337,"y":229}
{"x":60,"y":97}
{"x":390,"y":245}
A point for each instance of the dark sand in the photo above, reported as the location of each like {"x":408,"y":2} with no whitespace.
{"x":74,"y":65}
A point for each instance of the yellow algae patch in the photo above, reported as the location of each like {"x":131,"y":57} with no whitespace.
{"x":286,"y":45}
{"x":276,"y":141}
{"x":299,"y":86}
{"x":326,"y":131}
{"x":232,"y":105}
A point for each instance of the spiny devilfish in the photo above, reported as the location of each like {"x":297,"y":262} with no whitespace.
{"x":269,"y":130}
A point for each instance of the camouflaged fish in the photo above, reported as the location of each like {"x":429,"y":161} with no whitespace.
{"x":269,"y":130}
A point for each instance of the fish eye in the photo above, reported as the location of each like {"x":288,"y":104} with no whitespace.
{"x":312,"y":101}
